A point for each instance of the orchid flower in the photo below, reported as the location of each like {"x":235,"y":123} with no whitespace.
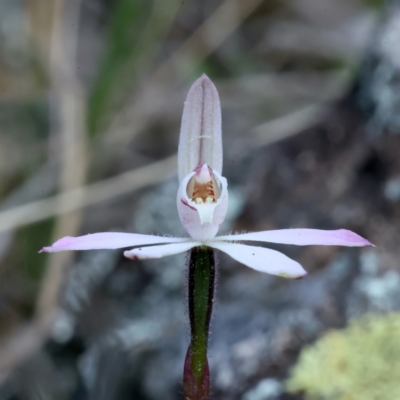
{"x":202,"y":202}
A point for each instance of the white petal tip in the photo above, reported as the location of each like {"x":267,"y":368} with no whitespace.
{"x":135,"y":254}
{"x":50,"y":249}
{"x":351,"y":239}
{"x":301,"y":274}
{"x":60,"y":245}
{"x":201,"y":79}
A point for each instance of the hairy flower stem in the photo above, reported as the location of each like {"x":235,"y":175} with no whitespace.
{"x":201,"y":297}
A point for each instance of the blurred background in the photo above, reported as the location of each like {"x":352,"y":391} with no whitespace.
{"x":91,"y":95}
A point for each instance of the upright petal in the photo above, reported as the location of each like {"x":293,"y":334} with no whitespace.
{"x":261,"y":259}
{"x":200,"y":139}
{"x":202,"y":220}
{"x":304,"y":237}
{"x":107,"y":240}
{"x":144,"y":253}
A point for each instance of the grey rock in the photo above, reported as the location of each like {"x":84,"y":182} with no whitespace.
{"x":267,"y":389}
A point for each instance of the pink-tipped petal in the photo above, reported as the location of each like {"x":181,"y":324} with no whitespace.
{"x":261,"y":259}
{"x":200,"y":139}
{"x":202,"y":221}
{"x":304,"y":237}
{"x":107,"y":240}
{"x":144,"y":253}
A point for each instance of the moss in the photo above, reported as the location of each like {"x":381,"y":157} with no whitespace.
{"x":359,"y":362}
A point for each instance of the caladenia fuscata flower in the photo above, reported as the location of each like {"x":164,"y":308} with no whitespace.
{"x":202,"y":202}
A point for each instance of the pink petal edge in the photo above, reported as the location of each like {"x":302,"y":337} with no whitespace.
{"x":261,"y":259}
{"x":107,"y":240}
{"x":304,"y":237}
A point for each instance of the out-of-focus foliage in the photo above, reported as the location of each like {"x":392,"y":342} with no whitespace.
{"x":375,"y":3}
{"x":29,"y":240}
{"x":359,"y":362}
{"x":135,"y":32}
{"x":126,"y":23}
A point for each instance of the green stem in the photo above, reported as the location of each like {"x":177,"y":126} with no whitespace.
{"x":201,"y":297}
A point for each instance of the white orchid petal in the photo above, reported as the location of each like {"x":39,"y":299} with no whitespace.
{"x":261,"y":259}
{"x":144,"y":253}
{"x":304,"y":237}
{"x":200,"y":138}
{"x":107,"y":240}
{"x":202,"y":221}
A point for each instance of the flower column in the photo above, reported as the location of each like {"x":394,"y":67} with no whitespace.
{"x":199,"y":166}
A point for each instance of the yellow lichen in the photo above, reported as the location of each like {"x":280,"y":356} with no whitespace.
{"x":360,"y":362}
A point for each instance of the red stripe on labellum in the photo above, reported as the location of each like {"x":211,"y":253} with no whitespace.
{"x":185,"y":203}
